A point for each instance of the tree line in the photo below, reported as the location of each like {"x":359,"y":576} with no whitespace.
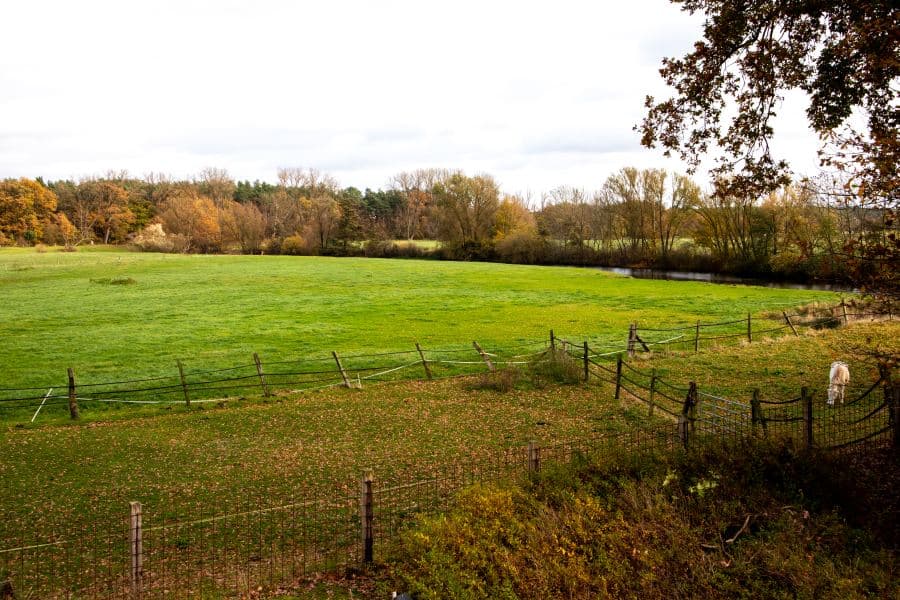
{"x":645,"y":218}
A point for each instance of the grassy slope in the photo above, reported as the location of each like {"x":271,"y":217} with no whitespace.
{"x":319,"y":442}
{"x":780,"y":367}
{"x":214,"y":311}
{"x":752,"y":521}
{"x":405,"y":429}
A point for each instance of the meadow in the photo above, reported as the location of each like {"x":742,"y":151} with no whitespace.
{"x":114,"y":315}
{"x":70,"y":481}
{"x":405,"y":430}
{"x":118,"y":315}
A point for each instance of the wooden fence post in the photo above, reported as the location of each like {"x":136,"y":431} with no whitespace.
{"x":806,"y":401}
{"x":341,"y":369}
{"x":631,"y":333}
{"x":683,"y":431}
{"x":262,"y":377}
{"x":688,"y":415}
{"x":618,"y":375}
{"x":694,"y":411}
{"x":534,"y":458}
{"x":184,"y":387}
{"x":844,"y":310}
{"x":587,"y":373}
{"x":136,"y":549}
{"x":652,"y":392}
{"x":638,"y":339}
{"x":697,"y":338}
{"x":485,"y":357}
{"x":788,"y":319}
{"x":424,"y":362}
{"x":749,"y":330}
{"x":367,"y":517}
{"x":73,"y":397}
{"x":552,"y":341}
{"x":755,"y":410}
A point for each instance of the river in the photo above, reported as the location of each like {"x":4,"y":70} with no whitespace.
{"x":719,"y":278}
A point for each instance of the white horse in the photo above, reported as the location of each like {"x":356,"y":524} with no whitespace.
{"x":838,"y":379}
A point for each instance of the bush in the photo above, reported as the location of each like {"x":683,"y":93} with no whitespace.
{"x":749,"y":520}
{"x":296,"y":245}
{"x":555,"y":367}
{"x":520,"y":247}
{"x":468,"y":250}
{"x":389,"y":249}
{"x":502,"y":380}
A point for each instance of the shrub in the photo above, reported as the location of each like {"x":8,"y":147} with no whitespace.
{"x":520,"y":246}
{"x":555,"y":367}
{"x":748,"y":520}
{"x":468,"y":250}
{"x":502,"y":380}
{"x":296,"y":245}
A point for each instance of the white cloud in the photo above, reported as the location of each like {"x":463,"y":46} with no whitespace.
{"x":537,"y":94}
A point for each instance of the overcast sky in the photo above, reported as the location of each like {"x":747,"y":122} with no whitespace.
{"x":538,"y":94}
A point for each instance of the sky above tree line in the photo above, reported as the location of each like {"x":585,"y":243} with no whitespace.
{"x":537,"y":94}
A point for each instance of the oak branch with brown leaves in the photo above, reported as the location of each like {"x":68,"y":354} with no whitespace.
{"x":845,"y":55}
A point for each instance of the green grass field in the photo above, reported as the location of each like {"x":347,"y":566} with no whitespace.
{"x":80,"y":309}
{"x":211,"y":461}
{"x":403,"y":429}
{"x":66,"y":310}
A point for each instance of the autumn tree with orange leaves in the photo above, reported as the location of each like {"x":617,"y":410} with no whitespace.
{"x":727,"y":91}
{"x":25,"y":207}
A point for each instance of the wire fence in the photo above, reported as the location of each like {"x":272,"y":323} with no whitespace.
{"x":258,"y":378}
{"x":267,"y":539}
{"x":700,"y":335}
{"x":867,"y":414}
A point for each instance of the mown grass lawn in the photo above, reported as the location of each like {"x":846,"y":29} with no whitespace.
{"x":64,"y":310}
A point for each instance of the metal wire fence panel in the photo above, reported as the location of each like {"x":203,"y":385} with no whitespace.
{"x":265,"y":540}
{"x":232,"y":554}
{"x":78,"y":563}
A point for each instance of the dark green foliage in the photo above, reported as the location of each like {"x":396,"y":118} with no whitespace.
{"x":252,"y":192}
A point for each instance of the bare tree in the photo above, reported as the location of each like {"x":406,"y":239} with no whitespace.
{"x":217,"y":184}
